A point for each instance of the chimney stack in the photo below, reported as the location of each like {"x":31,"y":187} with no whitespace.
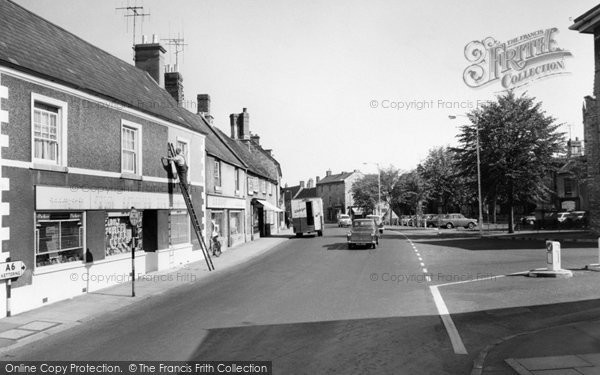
{"x":149,"y":57}
{"x":244,"y":125}
{"x":310,"y":183}
{"x":255,"y":138}
{"x":233,"y":119}
{"x":574,"y":148}
{"x":302,"y":184}
{"x":328,"y":172}
{"x":203,"y":101}
{"x":240,"y":125}
{"x":174,"y":86}
{"x":318,"y":179}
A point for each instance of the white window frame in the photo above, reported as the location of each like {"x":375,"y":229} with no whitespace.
{"x":217,"y":163}
{"x":138,"y":159}
{"x":186,"y":155}
{"x":62,"y":129}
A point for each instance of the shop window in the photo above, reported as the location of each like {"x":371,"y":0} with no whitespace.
{"x":236,"y":222}
{"x":179,"y":227}
{"x":118,"y":233}
{"x":218,"y":219}
{"x":131,"y":151}
{"x":49,"y":130}
{"x":58,"y":238}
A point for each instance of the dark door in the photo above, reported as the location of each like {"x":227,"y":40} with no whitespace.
{"x":261,"y":221}
{"x":310,"y":220}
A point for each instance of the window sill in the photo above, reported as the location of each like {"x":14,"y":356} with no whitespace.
{"x":218,"y":189}
{"x":49,"y":167}
{"x":42,"y":270}
{"x":131,"y":176}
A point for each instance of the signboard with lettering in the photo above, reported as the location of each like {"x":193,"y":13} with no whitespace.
{"x":9,"y":270}
{"x":87,"y":198}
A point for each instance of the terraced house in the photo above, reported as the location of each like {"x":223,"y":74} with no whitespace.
{"x":82,"y":134}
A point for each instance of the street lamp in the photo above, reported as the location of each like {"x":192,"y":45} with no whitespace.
{"x":452,"y":117}
{"x":378,"y":186}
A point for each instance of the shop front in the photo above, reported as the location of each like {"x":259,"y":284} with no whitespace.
{"x":265,"y":217}
{"x":82,"y":241}
{"x":227,"y":215}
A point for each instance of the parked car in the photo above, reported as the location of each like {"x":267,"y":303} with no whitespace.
{"x":578,"y":219}
{"x":562,"y":216}
{"x":528,"y":219}
{"x":364,"y":232}
{"x":432,"y":220}
{"x":378,"y":222}
{"x":344,"y":221}
{"x":456,"y":220}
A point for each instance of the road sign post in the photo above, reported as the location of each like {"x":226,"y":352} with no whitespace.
{"x":8,"y":271}
{"x":134,"y":220}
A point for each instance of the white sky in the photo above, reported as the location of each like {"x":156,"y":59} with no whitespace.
{"x":308,"y":70}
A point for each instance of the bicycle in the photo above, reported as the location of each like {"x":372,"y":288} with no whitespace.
{"x":215,"y":245}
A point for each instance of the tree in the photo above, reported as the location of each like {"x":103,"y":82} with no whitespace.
{"x":517,"y":144}
{"x":414,"y":190}
{"x":365,"y":191}
{"x":449,"y":190}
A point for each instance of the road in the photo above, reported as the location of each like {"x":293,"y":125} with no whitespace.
{"x":312,"y":306}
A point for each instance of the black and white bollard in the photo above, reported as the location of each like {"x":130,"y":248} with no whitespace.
{"x":553,"y":263}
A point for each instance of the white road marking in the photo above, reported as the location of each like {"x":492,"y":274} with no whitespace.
{"x":457,"y":343}
{"x":470,"y":281}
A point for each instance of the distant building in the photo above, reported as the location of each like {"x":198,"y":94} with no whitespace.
{"x":335,"y":190}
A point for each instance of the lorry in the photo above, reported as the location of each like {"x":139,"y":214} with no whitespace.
{"x":307,"y":216}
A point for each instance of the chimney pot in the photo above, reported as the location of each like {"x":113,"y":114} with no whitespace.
{"x":155,"y":38}
{"x":302,"y":184}
{"x":328,"y":172}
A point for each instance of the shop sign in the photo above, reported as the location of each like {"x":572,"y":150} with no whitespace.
{"x":65,"y":198}
{"x":224,"y":202}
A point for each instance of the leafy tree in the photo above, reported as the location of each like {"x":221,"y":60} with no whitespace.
{"x":414,"y":190}
{"x":365,"y":191}
{"x":449,"y":190}
{"x":517,"y":144}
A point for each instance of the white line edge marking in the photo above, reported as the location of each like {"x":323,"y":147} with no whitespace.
{"x":425,"y":270}
{"x":457,"y":343}
{"x":422,"y":264}
{"x":470,"y":281}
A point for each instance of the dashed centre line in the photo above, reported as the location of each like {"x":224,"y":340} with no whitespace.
{"x":455,"y":339}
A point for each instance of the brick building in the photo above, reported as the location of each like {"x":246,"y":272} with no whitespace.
{"x":589,"y":23}
{"x":335,"y":190}
{"x":82,"y":134}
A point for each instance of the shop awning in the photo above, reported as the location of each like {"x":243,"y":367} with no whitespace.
{"x":268,"y":206}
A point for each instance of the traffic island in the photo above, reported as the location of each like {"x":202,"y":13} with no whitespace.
{"x":545,"y":272}
{"x":553,"y":268}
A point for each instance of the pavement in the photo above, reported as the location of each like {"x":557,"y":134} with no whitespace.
{"x":30,"y":326}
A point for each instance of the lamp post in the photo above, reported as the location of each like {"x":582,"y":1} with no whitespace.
{"x":378,"y":187}
{"x":480,"y":221}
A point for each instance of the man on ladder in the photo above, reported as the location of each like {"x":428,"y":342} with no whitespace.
{"x":181,"y":166}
